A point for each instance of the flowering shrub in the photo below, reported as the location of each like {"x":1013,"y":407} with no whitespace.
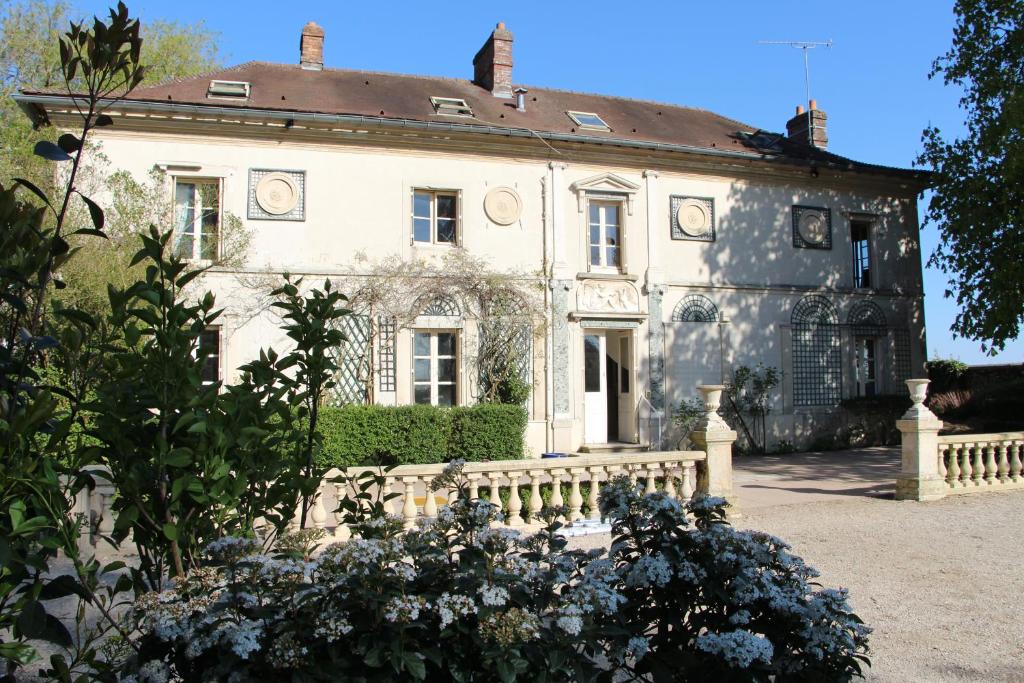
{"x":460,"y":599}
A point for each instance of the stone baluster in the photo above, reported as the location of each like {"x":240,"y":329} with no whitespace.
{"x":942,"y":463}
{"x":318,"y":513}
{"x":474,"y":486}
{"x":593,"y":506}
{"x":556,"y":491}
{"x":453,"y":496}
{"x":536,"y":503}
{"x":1015,"y":461}
{"x":632,"y":469}
{"x":341,"y":530}
{"x":953,"y":469}
{"x":430,"y":502}
{"x":990,"y":464}
{"x":651,"y":485}
{"x":965,"y":464}
{"x":1003,"y":461}
{"x":687,"y":481}
{"x":977,"y":464}
{"x":575,"y":498}
{"x":515,"y":503}
{"x":296,"y":522}
{"x":919,"y":471}
{"x":409,"y":502}
{"x":494,"y":479}
{"x":670,"y":479}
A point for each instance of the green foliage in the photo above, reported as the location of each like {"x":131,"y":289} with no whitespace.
{"x":749,"y":393}
{"x":978,"y":182}
{"x":420,"y":434}
{"x":42,"y":464}
{"x":685,"y":416}
{"x":945,"y":374}
{"x":384,"y":435}
{"x":487,"y":431}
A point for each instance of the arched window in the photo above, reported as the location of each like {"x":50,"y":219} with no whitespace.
{"x":695,"y":309}
{"x":867,"y":318}
{"x":441,"y":306}
{"x":817,"y":362}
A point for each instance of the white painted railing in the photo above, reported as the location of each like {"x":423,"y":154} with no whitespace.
{"x":521,"y":481}
{"x":972,"y":463}
{"x":674,"y":471}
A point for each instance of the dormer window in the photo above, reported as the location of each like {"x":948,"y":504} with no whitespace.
{"x":588,"y":120}
{"x":451,"y":106}
{"x":233,"y":90}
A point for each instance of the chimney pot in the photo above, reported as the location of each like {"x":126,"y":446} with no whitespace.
{"x":520,"y":94}
{"x":807,"y":128}
{"x":492,"y":65}
{"x":799,"y":109}
{"x":311,"y":47}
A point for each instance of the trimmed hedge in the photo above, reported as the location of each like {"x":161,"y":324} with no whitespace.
{"x":402,"y":435}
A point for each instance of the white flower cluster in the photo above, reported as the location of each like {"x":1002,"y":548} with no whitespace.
{"x":450,"y":607}
{"x":493,"y":596}
{"x":404,"y":609}
{"x":649,"y":569}
{"x":571,"y":620}
{"x":739,"y":649}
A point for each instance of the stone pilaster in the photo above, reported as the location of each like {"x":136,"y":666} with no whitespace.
{"x":919,"y":471}
{"x":656,"y":345}
{"x":561,"y":379}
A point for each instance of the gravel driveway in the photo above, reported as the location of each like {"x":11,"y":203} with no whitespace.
{"x":941,"y":583}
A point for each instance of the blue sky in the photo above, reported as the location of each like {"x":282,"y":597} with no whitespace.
{"x":872,"y":83}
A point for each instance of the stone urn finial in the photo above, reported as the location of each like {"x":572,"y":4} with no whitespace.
{"x":918,"y":389}
{"x":711,"y":421}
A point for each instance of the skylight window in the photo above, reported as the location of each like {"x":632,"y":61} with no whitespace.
{"x":230,"y":89}
{"x":452,"y":106}
{"x":588,"y":120}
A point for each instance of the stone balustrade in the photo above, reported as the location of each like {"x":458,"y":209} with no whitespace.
{"x":934,"y":466}
{"x":973,"y":463}
{"x":515,"y":486}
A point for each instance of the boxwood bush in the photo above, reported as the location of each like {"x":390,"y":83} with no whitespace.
{"x":403,"y":435}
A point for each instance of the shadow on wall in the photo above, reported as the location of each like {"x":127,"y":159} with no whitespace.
{"x":760,"y":266}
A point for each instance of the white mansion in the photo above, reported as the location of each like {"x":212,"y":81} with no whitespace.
{"x":674,"y":244}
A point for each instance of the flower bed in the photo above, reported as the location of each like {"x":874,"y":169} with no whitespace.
{"x":458,"y":599}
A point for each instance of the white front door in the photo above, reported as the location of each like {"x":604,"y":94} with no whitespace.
{"x":595,"y":388}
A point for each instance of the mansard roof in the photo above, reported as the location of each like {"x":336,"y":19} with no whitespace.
{"x":286,"y":88}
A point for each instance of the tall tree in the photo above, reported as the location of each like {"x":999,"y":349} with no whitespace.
{"x":978,"y":196}
{"x":29,"y":59}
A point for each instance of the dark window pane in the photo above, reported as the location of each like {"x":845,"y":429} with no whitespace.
{"x":611,"y":235}
{"x":595,"y":256}
{"x":595,"y":213}
{"x":445,"y":206}
{"x":445,"y":344}
{"x":446,"y":395}
{"x":209,"y":346}
{"x":421,"y":371}
{"x":445,"y":230}
{"x":421,"y":344}
{"x":183,"y":248}
{"x":422,"y":394}
{"x":446,"y":370}
{"x":612,"y":256}
{"x":208,"y":244}
{"x":591,"y":363}
{"x":595,"y":234}
{"x":611,"y":214}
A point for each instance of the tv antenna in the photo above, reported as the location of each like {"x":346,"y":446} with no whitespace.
{"x":805,"y":46}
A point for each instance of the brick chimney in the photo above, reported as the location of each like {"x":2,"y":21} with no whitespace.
{"x":492,"y":65}
{"x":311,"y":47}
{"x":808,"y":128}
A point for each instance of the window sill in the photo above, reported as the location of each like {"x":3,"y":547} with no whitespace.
{"x":435,"y":245}
{"x":598,"y":275}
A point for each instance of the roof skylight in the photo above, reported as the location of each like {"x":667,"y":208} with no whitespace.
{"x":452,"y":106}
{"x":230,"y":89}
{"x":588,"y":120}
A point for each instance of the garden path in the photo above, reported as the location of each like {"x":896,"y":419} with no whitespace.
{"x":940,"y":583}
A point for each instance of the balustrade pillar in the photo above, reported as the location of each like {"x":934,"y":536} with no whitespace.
{"x":409,"y":503}
{"x":536,"y":502}
{"x":715,"y":438}
{"x":919,"y":473}
{"x":515,"y":503}
{"x":670,"y":479}
{"x":593,"y":505}
{"x":556,"y":491}
{"x":1015,"y":461}
{"x":575,"y":498}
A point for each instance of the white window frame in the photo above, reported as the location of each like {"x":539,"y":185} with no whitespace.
{"x":862,"y":360}
{"x":228,"y":90}
{"x":872,"y":275}
{"x":451,"y":106}
{"x":434,"y":194}
{"x":435,"y":357}
{"x":219,"y":331}
{"x":197,"y":224}
{"x":602,"y":266}
{"x":575,"y":116}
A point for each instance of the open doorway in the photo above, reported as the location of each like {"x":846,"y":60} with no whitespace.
{"x":608,"y":384}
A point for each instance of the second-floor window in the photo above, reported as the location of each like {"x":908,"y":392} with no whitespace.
{"x":196,"y":219}
{"x":605,"y":234}
{"x":435,"y":217}
{"x":860,"y":234}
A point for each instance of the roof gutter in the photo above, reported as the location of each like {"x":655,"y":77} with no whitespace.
{"x":25,"y":101}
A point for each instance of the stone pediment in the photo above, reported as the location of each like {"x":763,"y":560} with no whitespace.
{"x":607,"y":297}
{"x":605,"y":183}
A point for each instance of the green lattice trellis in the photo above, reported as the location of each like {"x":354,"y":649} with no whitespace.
{"x":353,"y":361}
{"x":511,"y":336}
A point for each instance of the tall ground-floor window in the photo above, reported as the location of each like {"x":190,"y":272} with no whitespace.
{"x":866,"y":366}
{"x":435,"y":368}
